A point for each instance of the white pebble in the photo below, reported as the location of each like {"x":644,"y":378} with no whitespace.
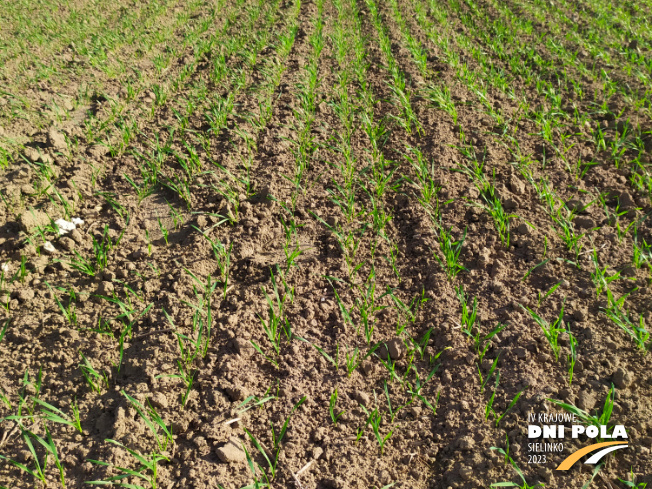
{"x":49,"y":247}
{"x":65,"y":226}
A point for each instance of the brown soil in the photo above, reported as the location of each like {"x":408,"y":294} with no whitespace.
{"x":450,"y":446}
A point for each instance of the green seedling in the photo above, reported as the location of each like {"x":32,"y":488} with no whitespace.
{"x":622,"y":318}
{"x":642,"y":252}
{"x":523,"y":485}
{"x":426,"y":183}
{"x":543,"y":297}
{"x":111,"y":199}
{"x":69,"y":312}
{"x":335,"y":362}
{"x":469,"y":314}
{"x":187,"y":376}
{"x":481,"y":343}
{"x":421,"y":345}
{"x":599,"y":276}
{"x":222,"y":255}
{"x":56,"y":415}
{"x":254,"y":401}
{"x":484,"y":380}
{"x":331,"y":408}
{"x":494,"y":207}
{"x":551,"y":331}
{"x":374,"y":418}
{"x":490,"y":410}
{"x":94,"y":379}
{"x":354,"y":357}
{"x":406,"y":313}
{"x":572,"y":358}
{"x":591,"y":419}
{"x":451,"y":251}
{"x":5,"y":399}
{"x":440,"y":97}
{"x":164,"y":230}
{"x":153,"y":421}
{"x":147,"y":472}
{"x":415,"y":390}
{"x":202,"y":320}
{"x":102,"y":250}
{"x":38,"y":472}
{"x":277,"y":437}
{"x":277,"y":322}
{"x":3,"y":332}
{"x":632,"y":482}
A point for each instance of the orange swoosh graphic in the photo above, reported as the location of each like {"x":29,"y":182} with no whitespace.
{"x":575,"y":456}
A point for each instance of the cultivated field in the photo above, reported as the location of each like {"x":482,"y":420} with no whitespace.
{"x":323,"y":244}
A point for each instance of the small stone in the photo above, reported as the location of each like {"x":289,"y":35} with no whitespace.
{"x":586,"y":400}
{"x":31,"y":219}
{"x":362,"y":398}
{"x":159,"y":400}
{"x":415,"y":411}
{"x":523,"y":229}
{"x":447,"y":378}
{"x":626,"y":201}
{"x":67,"y":244}
{"x":77,"y":236}
{"x":231,"y":453}
{"x":25,"y":295}
{"x":317,"y":452}
{"x":510,"y":204}
{"x":49,"y":248}
{"x":64,"y":226}
{"x":105,"y":288}
{"x":396,"y":348}
{"x":32,"y":154}
{"x":202,"y":222}
{"x":368,"y":368}
{"x":622,"y":378}
{"x":57,"y":140}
